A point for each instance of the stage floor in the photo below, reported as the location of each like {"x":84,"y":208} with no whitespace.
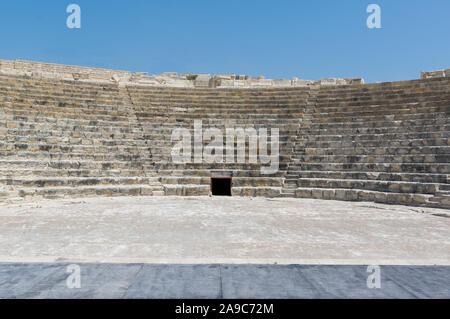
{"x":227,"y":230}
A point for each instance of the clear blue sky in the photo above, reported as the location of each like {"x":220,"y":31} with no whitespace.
{"x":277,"y":39}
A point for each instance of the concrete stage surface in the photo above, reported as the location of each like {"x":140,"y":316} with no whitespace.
{"x":226,"y":230}
{"x":204,"y":230}
{"x":222,"y":247}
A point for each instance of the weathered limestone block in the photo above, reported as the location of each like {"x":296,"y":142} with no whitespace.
{"x":303,"y":193}
{"x":218,"y":78}
{"x":281,"y":82}
{"x":136,"y":77}
{"x":327,"y":82}
{"x":173,"y":75}
{"x":340,"y":194}
{"x":300,"y":83}
{"x":224,"y":83}
{"x":168,"y":79}
{"x":202,"y":80}
{"x":238,"y":83}
{"x":328,"y":194}
{"x":419,"y":199}
{"x":254,"y":82}
{"x":115,"y":78}
{"x":357,"y":81}
{"x":366,"y":196}
{"x":96,"y":74}
{"x":445,"y":201}
{"x":316,"y":193}
{"x":435,"y":74}
{"x":80,"y":76}
{"x":5,"y":64}
{"x":381,"y":197}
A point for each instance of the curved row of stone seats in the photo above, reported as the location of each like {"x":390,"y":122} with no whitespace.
{"x":386,"y":142}
{"x":65,"y":139}
{"x":161,"y":110}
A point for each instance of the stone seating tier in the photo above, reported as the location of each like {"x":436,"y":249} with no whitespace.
{"x":63,"y":138}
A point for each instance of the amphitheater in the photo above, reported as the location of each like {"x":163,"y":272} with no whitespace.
{"x":69,"y":132}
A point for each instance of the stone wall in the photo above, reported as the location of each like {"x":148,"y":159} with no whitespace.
{"x":436,"y":74}
{"x":65,"y":72}
{"x":385,"y":142}
{"x":167,"y":79}
{"x":192,"y":80}
{"x":172,"y":79}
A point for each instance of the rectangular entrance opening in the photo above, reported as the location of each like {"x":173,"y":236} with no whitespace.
{"x":221,"y":186}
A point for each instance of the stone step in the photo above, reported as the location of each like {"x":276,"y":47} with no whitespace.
{"x":236,"y":181}
{"x":375,"y":185}
{"x":412,"y":144}
{"x":380,"y":106}
{"x":37,"y":118}
{"x":54,"y":82}
{"x":445,"y":187}
{"x":24,"y":172}
{"x":215,"y":103}
{"x":145,"y":148}
{"x":54,"y":102}
{"x":441,"y":168}
{"x":186,"y":190}
{"x":380,"y":117}
{"x":44,"y":138}
{"x":47,"y":156}
{"x":401,"y":138}
{"x":256,"y":191}
{"x":383,"y":150}
{"x":376,"y":176}
{"x":77,"y":181}
{"x":216,"y":166}
{"x":375,"y":121}
{"x":393,"y":129}
{"x":59,"y":94}
{"x":364,"y":195}
{"x":400,"y":159}
{"x":227,"y":117}
{"x":440,"y":202}
{"x":95,"y":113}
{"x":202,"y":172}
{"x":183,"y":180}
{"x":67,"y":148}
{"x":410,"y":114}
{"x":359,"y":102}
{"x":70,"y":164}
{"x":284,"y":130}
{"x":219,"y":94}
{"x":22,"y":122}
{"x":85,"y":191}
{"x":383,"y":87}
{"x":79,"y":116}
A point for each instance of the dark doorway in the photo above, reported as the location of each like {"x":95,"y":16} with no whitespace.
{"x":221,"y":186}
